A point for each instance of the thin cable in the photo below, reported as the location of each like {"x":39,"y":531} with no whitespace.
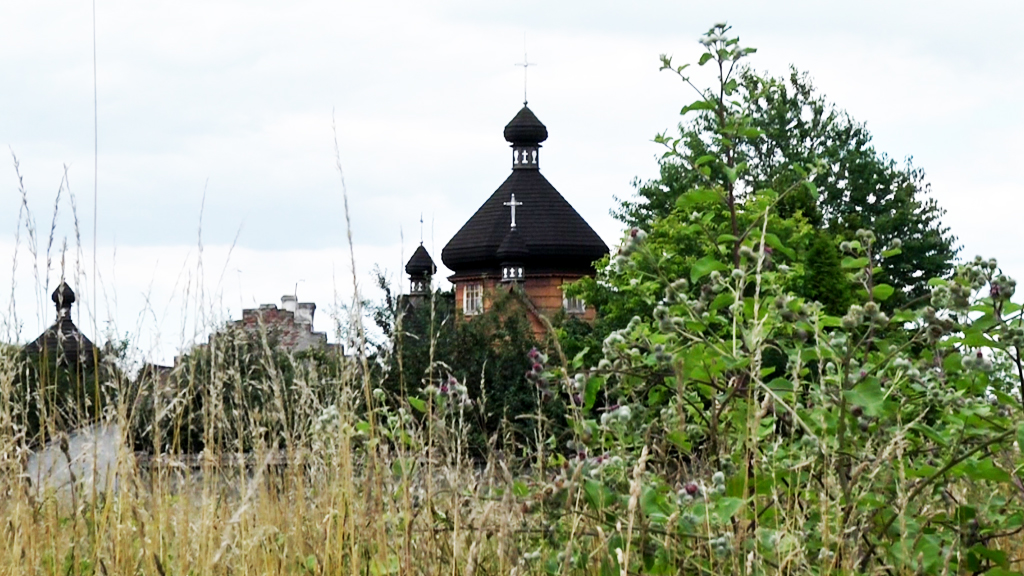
{"x":95,"y":168}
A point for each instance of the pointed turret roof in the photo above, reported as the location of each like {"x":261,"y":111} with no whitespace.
{"x":421,"y":264}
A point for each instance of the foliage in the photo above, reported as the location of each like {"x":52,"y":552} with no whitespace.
{"x":884,"y":440}
{"x":243,"y":376}
{"x":857,"y":187}
{"x":487,"y":355}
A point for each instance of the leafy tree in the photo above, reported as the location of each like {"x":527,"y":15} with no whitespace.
{"x":857,"y":186}
{"x":871,"y":450}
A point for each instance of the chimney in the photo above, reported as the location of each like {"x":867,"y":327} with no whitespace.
{"x":304,"y":313}
{"x":288,"y":302}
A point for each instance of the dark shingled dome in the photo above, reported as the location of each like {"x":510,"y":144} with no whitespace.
{"x":421,"y":264}
{"x":557,"y":237}
{"x":525,"y":129}
{"x":63,"y":296}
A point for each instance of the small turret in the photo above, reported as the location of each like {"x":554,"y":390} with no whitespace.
{"x":420,"y":268}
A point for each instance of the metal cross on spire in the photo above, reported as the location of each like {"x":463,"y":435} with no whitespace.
{"x":421,"y":228}
{"x":525,"y":64}
{"x":512,"y":204}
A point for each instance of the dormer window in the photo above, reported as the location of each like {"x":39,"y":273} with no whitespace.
{"x":574,"y":305}
{"x":473,"y":299}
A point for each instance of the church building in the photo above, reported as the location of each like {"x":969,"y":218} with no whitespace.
{"x":525,"y":237}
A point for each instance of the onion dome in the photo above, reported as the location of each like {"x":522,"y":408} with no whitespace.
{"x":525,"y":129}
{"x":63,"y":296}
{"x":421,"y":264}
{"x":420,"y":268}
{"x":63,"y":341}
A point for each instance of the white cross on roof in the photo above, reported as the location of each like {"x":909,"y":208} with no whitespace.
{"x":513,"y":205}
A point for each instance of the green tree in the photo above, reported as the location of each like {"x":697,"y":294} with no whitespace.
{"x":858,"y":186}
{"x":868,"y":449}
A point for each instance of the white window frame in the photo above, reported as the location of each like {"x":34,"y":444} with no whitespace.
{"x":574,"y":305}
{"x":473,"y":299}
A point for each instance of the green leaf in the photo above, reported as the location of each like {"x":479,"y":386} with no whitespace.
{"x":577,"y":361}
{"x":868,"y":395}
{"x":891,"y":252}
{"x":597,"y":494}
{"x":704,"y":58}
{"x":938,"y":282}
{"x":1020,"y":435}
{"x":987,"y":470}
{"x":773,"y":241}
{"x":678,"y":438}
{"x":811,"y":189}
{"x":705,"y":266}
{"x":417,"y":404}
{"x":590,"y":393}
{"x":698,"y":196}
{"x":722,"y":239}
{"x":979,"y":340}
{"x":520,"y":489}
{"x":651,"y":502}
{"x":698,"y":105}
{"x":882,"y":292}
{"x":704,"y":160}
{"x":851,"y":262}
{"x":726,"y":508}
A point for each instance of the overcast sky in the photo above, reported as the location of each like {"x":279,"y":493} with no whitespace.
{"x":235,"y":101}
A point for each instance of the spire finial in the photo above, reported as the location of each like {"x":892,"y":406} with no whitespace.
{"x":512,"y":204}
{"x":525,"y":64}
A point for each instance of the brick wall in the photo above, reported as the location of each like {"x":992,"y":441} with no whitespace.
{"x":545,"y":292}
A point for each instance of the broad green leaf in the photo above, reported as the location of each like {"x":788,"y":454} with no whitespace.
{"x":882,"y":292}
{"x":851,"y":262}
{"x":722,"y":239}
{"x":1020,"y":435}
{"x":987,"y":470}
{"x":979,"y":340}
{"x":678,"y":438}
{"x":417,"y":404}
{"x":891,"y":252}
{"x":698,"y":196}
{"x":597,"y":494}
{"x":698,"y":105}
{"x":651,"y":502}
{"x":938,"y":282}
{"x":705,"y":266}
{"x":577,"y":361}
{"x":811,"y":189}
{"x":868,"y":395}
{"x":590,"y":393}
{"x":726,"y":508}
{"x":773,"y":241}
{"x":704,"y":58}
